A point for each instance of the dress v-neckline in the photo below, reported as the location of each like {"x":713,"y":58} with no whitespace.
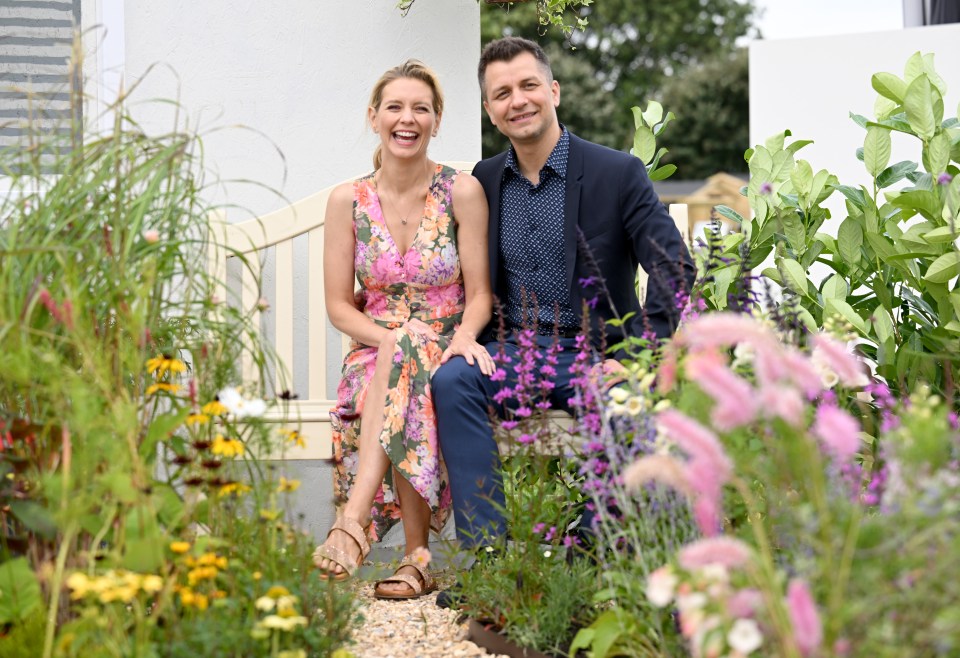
{"x":423,"y":212}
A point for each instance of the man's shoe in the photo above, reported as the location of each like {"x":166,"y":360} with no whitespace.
{"x":451,"y":597}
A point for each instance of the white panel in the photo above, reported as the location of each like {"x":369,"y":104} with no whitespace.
{"x":249,"y":297}
{"x":317,"y":314}
{"x":283,"y":314}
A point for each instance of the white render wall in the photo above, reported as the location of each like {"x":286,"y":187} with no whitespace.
{"x":811,"y":85}
{"x":300,"y":73}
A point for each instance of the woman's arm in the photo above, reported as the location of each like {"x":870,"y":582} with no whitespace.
{"x":338,"y":274}
{"x":471,"y":212}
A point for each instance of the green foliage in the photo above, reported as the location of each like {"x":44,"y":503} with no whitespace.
{"x":894,"y":260}
{"x":19,"y":591}
{"x":114,"y":350}
{"x":712,"y":131}
{"x":632,"y":50}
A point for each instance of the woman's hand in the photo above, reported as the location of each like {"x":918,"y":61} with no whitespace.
{"x":465,"y":345}
{"x":422,"y":329}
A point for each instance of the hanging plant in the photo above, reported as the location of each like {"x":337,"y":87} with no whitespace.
{"x":550,"y":13}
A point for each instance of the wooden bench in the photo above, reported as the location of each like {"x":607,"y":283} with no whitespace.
{"x":252,"y":242}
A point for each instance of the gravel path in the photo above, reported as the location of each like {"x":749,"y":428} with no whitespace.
{"x":408,"y":629}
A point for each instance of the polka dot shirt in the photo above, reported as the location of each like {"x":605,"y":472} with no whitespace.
{"x":532,"y":242}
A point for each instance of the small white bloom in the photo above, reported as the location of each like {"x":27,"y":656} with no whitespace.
{"x":547,"y":554}
{"x":635,"y":405}
{"x":745,"y":636}
{"x":692,"y":601}
{"x":715,"y":572}
{"x":151,"y":236}
{"x":661,"y":585}
{"x":264,"y":603}
{"x":619,"y":394}
{"x":647,"y":381}
{"x":743,"y":354}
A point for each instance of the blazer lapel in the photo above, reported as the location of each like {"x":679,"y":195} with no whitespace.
{"x":493,"y":241}
{"x":571,"y":208}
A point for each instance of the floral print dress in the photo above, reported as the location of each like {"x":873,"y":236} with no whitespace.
{"x":424,"y":283}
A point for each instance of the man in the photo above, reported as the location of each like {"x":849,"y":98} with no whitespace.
{"x":551,"y":194}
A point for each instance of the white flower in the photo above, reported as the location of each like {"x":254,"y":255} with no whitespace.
{"x":693,"y":601}
{"x":264,"y":603}
{"x":660,"y":586}
{"x":240,"y":406}
{"x":715,"y":572}
{"x":745,"y":636}
{"x":619,"y":394}
{"x":635,"y":405}
{"x":283,"y":623}
{"x":743,"y":354}
{"x":547,"y":554}
{"x":151,"y":236}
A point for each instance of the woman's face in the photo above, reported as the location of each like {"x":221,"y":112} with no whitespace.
{"x":406,"y":119}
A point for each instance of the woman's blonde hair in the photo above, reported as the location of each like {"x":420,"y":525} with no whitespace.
{"x":413,"y":69}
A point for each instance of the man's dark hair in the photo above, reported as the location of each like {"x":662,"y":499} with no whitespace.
{"x":504,"y":50}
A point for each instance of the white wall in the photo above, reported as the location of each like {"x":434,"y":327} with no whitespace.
{"x":300,"y":73}
{"x":811,"y":85}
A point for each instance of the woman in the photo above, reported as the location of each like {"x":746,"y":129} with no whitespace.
{"x":414,"y":234}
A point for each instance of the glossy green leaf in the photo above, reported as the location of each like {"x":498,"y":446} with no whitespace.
{"x":663,"y":172}
{"x":644,"y":144}
{"x":882,"y":323}
{"x":940,"y":235}
{"x":653,"y":114}
{"x":794,"y":276}
{"x":802,"y":177}
{"x":774,"y":143}
{"x":849,"y":240}
{"x":835,"y":287}
{"x":845,"y":311}
{"x":936,"y":154}
{"x":730,"y":213}
{"x":944,"y":268}
{"x":895,"y":173}
{"x":876,"y":150}
{"x":889,"y":86}
{"x":919,"y":107}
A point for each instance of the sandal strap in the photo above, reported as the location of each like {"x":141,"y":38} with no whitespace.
{"x":413,"y":582}
{"x":337,"y":556}
{"x":348,"y":562}
{"x":356,"y":532}
{"x":408,"y":561}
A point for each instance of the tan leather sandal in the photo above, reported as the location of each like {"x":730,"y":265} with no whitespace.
{"x":338,"y":556}
{"x":419,"y":586}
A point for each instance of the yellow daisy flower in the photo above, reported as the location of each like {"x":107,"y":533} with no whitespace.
{"x":198,"y":419}
{"x":288,"y":485}
{"x":227,"y":447}
{"x":237,"y":488}
{"x":214,"y":408}
{"x":293,"y":436}
{"x":180,"y":547}
{"x":163,"y":386}
{"x":162,"y":364}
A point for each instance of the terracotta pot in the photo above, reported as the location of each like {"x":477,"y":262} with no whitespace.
{"x":487,"y":637}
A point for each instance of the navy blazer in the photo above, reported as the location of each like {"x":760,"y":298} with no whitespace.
{"x":610,"y":200}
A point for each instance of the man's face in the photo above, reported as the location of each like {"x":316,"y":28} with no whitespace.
{"x":520,"y":100}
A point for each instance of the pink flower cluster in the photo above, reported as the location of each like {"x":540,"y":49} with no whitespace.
{"x":701,"y":476}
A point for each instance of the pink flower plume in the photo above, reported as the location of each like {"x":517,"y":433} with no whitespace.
{"x":807,"y":630}
{"x":838,"y":431}
{"x":724,"y":551}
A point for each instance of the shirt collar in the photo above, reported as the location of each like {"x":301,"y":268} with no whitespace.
{"x":556,"y":161}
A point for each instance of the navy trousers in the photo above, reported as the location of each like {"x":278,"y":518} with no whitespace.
{"x":462,"y":396}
